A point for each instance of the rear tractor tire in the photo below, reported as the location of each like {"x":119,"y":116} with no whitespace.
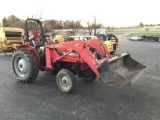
{"x":25,"y":65}
{"x":66,"y":81}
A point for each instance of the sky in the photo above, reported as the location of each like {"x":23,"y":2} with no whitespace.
{"x":117,"y":13}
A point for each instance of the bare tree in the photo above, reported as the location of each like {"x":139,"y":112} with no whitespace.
{"x":108,"y":28}
{"x":89,"y":28}
{"x":141,"y":24}
{"x":75,"y":25}
{"x":95,"y":24}
{"x":112,"y":28}
{"x":92,"y":26}
{"x":12,"y":21}
{"x":4,"y":22}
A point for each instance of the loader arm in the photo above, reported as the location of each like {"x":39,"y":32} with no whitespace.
{"x":77,"y":46}
{"x":99,"y":47}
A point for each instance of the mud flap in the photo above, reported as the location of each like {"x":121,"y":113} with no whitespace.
{"x":120,"y":70}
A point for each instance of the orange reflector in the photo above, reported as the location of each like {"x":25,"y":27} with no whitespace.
{"x":27,"y":43}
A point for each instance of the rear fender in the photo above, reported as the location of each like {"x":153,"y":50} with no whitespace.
{"x":34,"y":51}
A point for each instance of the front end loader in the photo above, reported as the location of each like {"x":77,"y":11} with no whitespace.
{"x":73,"y":58}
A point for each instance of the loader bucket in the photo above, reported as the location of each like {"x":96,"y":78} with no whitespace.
{"x":120,"y":70}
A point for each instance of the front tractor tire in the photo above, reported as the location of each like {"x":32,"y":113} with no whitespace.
{"x":66,"y":81}
{"x":25,"y":65}
{"x":90,"y":78}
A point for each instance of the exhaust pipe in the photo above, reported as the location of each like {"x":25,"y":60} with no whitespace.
{"x":120,"y":70}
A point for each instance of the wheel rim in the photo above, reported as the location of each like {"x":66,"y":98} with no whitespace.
{"x":65,"y":83}
{"x":20,"y":65}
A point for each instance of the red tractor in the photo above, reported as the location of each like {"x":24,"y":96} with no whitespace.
{"x":89,"y":60}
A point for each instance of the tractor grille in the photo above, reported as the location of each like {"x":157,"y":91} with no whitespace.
{"x":114,"y":46}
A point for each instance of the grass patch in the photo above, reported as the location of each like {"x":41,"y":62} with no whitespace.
{"x":137,"y":32}
{"x":147,"y":33}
